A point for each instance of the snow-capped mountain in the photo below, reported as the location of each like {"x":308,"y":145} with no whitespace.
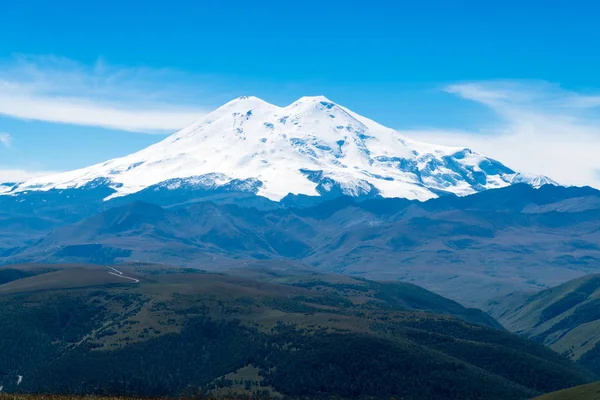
{"x":311,"y":147}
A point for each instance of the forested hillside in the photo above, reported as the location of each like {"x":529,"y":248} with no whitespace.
{"x":88,"y":329}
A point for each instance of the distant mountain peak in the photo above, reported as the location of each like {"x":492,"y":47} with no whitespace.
{"x":535,"y":181}
{"x":312,"y":146}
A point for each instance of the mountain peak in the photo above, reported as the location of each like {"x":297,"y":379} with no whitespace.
{"x":251,"y":102}
{"x":309,"y":102}
{"x":313,"y":99}
{"x":244,"y":102}
{"x":535,"y":181}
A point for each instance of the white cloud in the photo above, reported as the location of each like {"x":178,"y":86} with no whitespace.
{"x":19,"y":175}
{"x":543,"y":129}
{"x":61,"y":91}
{"x":5,"y":139}
{"x":86,"y":112}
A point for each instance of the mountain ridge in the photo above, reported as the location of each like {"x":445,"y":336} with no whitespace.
{"x":311,"y":147}
{"x":564,"y":318}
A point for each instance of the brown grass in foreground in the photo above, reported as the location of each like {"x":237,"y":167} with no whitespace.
{"x":590,"y":391}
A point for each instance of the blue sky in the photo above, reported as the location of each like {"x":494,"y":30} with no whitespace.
{"x":82,"y":82}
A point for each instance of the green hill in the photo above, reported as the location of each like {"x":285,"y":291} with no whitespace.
{"x":566,"y":318}
{"x":153,"y":331}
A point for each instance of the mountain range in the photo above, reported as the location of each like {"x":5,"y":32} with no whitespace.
{"x":319,"y":184}
{"x":470,"y":248}
{"x":316,"y":183}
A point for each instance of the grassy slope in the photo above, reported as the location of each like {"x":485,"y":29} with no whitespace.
{"x":586,"y":392}
{"x":81,"y":329}
{"x":566,"y":318}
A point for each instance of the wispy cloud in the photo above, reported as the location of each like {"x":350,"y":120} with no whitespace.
{"x":5,"y":139}
{"x":19,"y":175}
{"x":543,"y":129}
{"x":62,"y":91}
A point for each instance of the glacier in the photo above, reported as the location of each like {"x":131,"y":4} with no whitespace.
{"x":311,"y":147}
